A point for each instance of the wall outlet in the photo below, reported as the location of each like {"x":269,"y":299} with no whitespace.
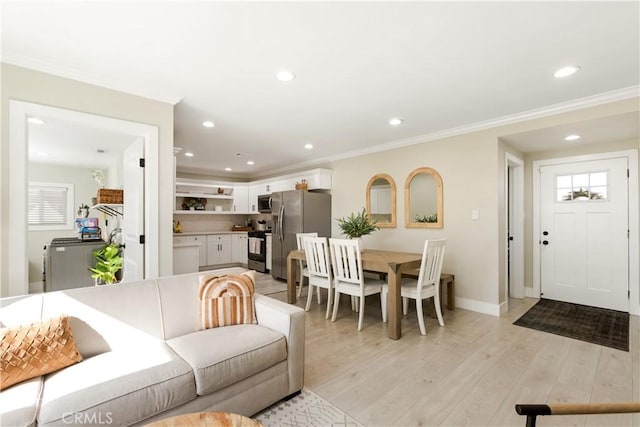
{"x":475,"y":214}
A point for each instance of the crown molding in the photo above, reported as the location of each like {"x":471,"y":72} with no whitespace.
{"x":73,"y":74}
{"x":549,"y":110}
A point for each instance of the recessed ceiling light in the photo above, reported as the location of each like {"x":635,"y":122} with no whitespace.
{"x":228,"y":169}
{"x":308,"y":146}
{"x":208,"y":124}
{"x":395,"y":121}
{"x":189,"y":154}
{"x":566,"y":71}
{"x":35,"y":121}
{"x":571,"y":137}
{"x":285,"y":76}
{"x":251,"y":162}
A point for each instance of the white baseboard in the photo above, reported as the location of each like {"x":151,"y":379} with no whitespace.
{"x":478,"y":306}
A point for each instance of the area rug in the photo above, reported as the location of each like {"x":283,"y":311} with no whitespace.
{"x":305,"y":409}
{"x":600,"y":326}
{"x":267,"y":285}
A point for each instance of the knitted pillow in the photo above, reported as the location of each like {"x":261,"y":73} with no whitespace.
{"x":226,"y":300}
{"x":37,"y":349}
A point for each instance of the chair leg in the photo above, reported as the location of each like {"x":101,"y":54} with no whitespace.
{"x":405,"y":305}
{"x":356,"y":303}
{"x":423,"y":330}
{"x":436,"y":303}
{"x":301,"y":285}
{"x":309,"y":297}
{"x":329,"y":299}
{"x":336,"y":302}
{"x":383,"y":304}
{"x":319,"y":296}
{"x":361,"y":316}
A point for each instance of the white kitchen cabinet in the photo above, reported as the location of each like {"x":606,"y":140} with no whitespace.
{"x":185,"y":258}
{"x":240,"y":248}
{"x":268,"y":263}
{"x":201,"y":242}
{"x":240,"y":199}
{"x":254,"y":192}
{"x":219,"y":249}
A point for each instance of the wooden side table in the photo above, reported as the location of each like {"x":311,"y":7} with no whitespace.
{"x":207,"y":419}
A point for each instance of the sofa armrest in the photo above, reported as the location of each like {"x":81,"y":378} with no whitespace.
{"x":288,"y":320}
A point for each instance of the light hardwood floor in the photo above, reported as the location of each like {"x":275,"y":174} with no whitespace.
{"x":470,"y":372}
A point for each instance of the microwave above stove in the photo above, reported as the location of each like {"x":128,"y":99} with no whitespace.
{"x":264,"y":203}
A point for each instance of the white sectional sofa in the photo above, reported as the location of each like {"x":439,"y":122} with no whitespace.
{"x":144,"y":361}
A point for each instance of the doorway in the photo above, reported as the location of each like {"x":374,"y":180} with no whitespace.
{"x":514,"y":190}
{"x":584,"y":210}
{"x":18,"y":145}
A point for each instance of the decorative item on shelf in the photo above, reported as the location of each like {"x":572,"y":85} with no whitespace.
{"x":194,"y":203}
{"x":177,"y":228}
{"x":83,"y":211}
{"x":302,"y":185}
{"x":427,"y":218}
{"x":110,"y":196}
{"x":220,"y":190}
{"x":98,"y":176}
{"x":357,"y":225}
{"x":108,"y":265}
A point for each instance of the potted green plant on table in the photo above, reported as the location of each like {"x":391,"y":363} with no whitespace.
{"x":108,"y":264}
{"x":357,"y":225}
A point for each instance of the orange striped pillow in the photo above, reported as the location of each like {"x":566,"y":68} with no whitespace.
{"x":226,"y":300}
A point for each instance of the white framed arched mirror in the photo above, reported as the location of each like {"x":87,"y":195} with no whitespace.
{"x":423,"y":199}
{"x":381,"y":200}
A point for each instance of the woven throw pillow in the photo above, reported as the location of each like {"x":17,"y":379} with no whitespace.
{"x":36,"y":349}
{"x":226,"y":300}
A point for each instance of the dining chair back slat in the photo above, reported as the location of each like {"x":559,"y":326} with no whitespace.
{"x":302,"y":264}
{"x":319,"y":268}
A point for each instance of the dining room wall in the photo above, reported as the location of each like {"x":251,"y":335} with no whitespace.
{"x":472,"y":167}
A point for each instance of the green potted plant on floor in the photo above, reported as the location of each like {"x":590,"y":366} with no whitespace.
{"x":108,"y":264}
{"x":357,"y":225}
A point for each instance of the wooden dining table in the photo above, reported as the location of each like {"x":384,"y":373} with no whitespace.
{"x":389,"y":262}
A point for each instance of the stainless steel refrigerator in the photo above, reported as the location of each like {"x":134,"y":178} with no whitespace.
{"x":296,"y":211}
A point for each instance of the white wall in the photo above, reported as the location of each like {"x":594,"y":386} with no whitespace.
{"x":85,"y":188}
{"x":45,"y":89}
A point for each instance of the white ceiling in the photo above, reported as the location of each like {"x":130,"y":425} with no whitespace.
{"x":440,"y":66}
{"x":63,"y":142}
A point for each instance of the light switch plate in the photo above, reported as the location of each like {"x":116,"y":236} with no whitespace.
{"x":475,"y":214}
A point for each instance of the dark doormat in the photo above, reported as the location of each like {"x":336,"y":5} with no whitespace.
{"x":600,"y":326}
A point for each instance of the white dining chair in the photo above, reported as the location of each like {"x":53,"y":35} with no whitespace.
{"x":426,"y":286}
{"x":316,"y":251}
{"x":302,"y":267}
{"x":349,"y":279}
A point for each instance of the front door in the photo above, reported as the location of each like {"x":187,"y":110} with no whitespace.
{"x":584,"y":242}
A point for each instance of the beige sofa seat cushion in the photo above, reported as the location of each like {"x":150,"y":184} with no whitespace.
{"x":222,"y":356}
{"x":19,"y":404}
{"x":117,"y":388}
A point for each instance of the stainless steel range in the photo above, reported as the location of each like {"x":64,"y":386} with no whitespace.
{"x":257,"y":248}
{"x":67,"y":261}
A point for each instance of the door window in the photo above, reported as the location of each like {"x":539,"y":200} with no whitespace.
{"x":586,"y":186}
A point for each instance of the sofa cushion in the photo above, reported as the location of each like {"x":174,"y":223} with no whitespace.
{"x":117,"y":387}
{"x":109,"y":318}
{"x":226,"y":300}
{"x":222,"y":356}
{"x":19,"y":404}
{"x":36,"y":349}
{"x":179,"y":298}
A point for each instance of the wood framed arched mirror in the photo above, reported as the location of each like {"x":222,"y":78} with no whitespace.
{"x":423,"y":199}
{"x":381,"y":200}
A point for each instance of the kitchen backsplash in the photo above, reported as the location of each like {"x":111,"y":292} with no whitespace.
{"x":193,"y":223}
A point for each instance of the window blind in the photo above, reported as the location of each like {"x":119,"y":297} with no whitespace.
{"x":47,"y":205}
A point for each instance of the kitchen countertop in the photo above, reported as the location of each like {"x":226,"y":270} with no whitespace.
{"x":201,"y":233}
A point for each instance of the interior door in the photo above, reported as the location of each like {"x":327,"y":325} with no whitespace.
{"x":133,"y":212}
{"x":584,"y":248}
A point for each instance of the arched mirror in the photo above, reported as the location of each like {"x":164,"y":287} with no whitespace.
{"x":423,"y":199}
{"x":381,"y":200}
